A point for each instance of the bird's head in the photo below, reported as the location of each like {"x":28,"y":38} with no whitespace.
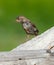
{"x":21,"y":19}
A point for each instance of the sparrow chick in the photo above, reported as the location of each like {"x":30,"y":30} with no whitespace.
{"x":29,"y":27}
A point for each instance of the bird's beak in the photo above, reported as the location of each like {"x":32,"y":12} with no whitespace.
{"x":17,"y":20}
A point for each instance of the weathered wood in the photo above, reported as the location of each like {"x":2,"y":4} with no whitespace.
{"x":31,"y":52}
{"x":26,"y":54}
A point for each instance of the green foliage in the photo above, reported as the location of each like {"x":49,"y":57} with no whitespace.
{"x":40,"y":12}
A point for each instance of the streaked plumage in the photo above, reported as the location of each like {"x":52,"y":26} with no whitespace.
{"x":27,"y":25}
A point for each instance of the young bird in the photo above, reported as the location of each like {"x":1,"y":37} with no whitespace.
{"x":29,"y":27}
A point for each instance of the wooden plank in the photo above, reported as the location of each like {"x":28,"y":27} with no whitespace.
{"x":26,"y":54}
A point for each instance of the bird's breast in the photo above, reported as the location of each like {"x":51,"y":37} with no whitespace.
{"x":26,"y":25}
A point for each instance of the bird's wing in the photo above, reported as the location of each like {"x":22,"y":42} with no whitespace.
{"x":33,"y":25}
{"x":35,"y":28}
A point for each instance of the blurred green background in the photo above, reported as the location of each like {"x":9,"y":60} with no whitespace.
{"x":40,"y":12}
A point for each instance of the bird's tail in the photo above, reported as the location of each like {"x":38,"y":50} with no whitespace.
{"x":36,"y":32}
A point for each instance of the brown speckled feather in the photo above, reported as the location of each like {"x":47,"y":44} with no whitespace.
{"x":28,"y":26}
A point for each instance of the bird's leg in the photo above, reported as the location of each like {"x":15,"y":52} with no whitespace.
{"x":27,"y":38}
